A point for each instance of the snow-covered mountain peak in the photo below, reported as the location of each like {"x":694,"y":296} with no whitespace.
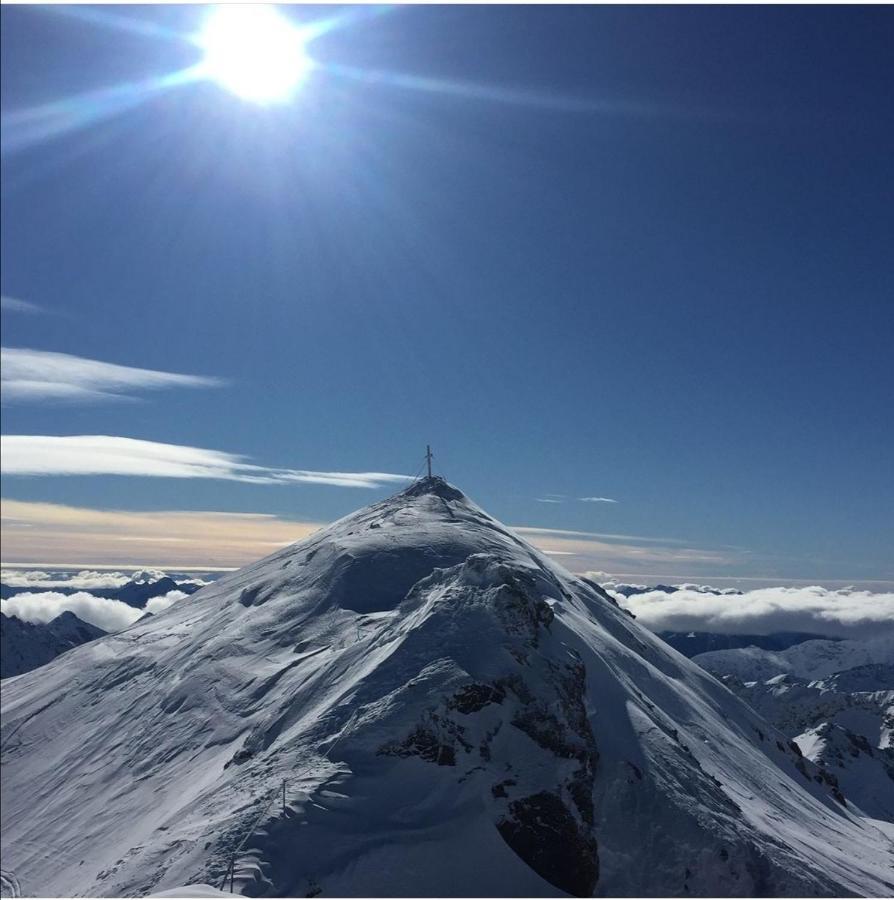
{"x":411,"y":701}
{"x":372,"y":558}
{"x":434,"y":485}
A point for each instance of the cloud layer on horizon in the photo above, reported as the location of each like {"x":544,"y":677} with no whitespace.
{"x":43,"y":455}
{"x":85,"y":580}
{"x":846,"y":612}
{"x":110,"y":615}
{"x":44,"y":375}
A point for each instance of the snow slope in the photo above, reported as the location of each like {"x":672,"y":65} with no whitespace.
{"x":411,"y":702}
{"x":25,"y":646}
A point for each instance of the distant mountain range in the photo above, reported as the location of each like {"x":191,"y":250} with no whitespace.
{"x":28,"y":645}
{"x":631,"y":590}
{"x":835,"y":699}
{"x":693,"y":643}
{"x":25,"y":646}
{"x":809,"y":659}
{"x":133,"y":593}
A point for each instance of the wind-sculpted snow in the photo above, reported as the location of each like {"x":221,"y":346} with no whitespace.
{"x":452,"y":715}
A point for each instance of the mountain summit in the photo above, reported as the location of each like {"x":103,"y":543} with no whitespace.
{"x":411,"y":702}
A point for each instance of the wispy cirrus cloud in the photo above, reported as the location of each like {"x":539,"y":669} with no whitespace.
{"x":587,"y":550}
{"x":42,"y":455}
{"x":13,"y":304}
{"x":564,"y":533}
{"x":44,"y":375}
{"x":561,"y":498}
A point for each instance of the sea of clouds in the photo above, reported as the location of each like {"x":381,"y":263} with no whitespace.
{"x":849,"y":612}
{"x":43,"y":604}
{"x":103,"y":612}
{"x":86,"y":579}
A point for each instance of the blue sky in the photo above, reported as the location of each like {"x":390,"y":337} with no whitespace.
{"x":634,"y":253}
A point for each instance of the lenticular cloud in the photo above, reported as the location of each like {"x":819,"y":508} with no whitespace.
{"x":837,"y":613}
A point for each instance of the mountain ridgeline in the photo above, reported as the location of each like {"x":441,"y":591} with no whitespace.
{"x":411,"y":702}
{"x":25,"y":645}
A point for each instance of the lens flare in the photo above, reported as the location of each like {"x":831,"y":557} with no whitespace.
{"x":254,"y":52}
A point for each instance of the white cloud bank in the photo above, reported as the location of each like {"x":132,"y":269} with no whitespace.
{"x":42,"y":375}
{"x":110,"y":615}
{"x":848,"y":612}
{"x":162,"y":602}
{"x":597,"y":500}
{"x":85,"y":580}
{"x":107,"y":455}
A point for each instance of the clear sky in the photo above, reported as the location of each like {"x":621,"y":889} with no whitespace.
{"x":641,"y":254}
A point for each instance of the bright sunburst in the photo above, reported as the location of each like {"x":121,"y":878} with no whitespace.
{"x":254,"y":52}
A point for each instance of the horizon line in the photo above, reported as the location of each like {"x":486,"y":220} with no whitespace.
{"x":656,"y":577}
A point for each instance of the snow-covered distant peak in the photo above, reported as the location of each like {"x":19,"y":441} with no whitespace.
{"x":25,"y":646}
{"x":808,"y":659}
{"x":148,"y":576}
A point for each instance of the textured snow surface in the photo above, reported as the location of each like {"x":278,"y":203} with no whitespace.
{"x":453,"y":715}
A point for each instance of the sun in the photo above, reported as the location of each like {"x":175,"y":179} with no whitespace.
{"x":254,"y":52}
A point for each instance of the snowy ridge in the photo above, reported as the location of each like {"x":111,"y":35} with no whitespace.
{"x":842,"y":722}
{"x":452,"y":714}
{"x":809,"y":659}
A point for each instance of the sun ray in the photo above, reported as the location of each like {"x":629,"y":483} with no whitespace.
{"x":25,"y":127}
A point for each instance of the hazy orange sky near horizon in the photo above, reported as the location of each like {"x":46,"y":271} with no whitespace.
{"x":49,"y":535}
